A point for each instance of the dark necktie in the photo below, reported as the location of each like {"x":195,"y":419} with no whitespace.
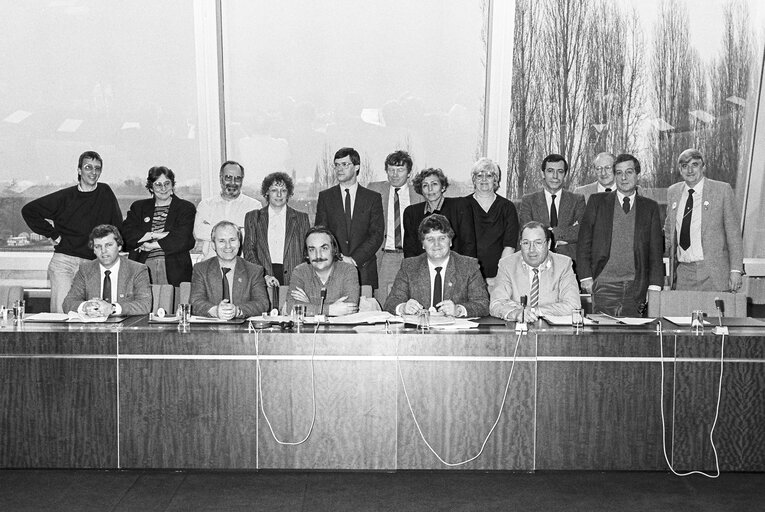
{"x":397,"y":220}
{"x":224,"y":283}
{"x":348,"y":212}
{"x":608,"y":189}
{"x":685,"y":229}
{"x":626,"y":205}
{"x":553,"y":213}
{"x":437,"y":288}
{"x":534,"y":294}
{"x":107,"y":293}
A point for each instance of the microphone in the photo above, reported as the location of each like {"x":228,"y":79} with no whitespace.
{"x":524,"y":301}
{"x":720,"y":306}
{"x":323,"y":299}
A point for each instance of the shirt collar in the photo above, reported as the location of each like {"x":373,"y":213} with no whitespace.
{"x":231,"y":265}
{"x":428,"y":209}
{"x":115,"y":268}
{"x":276,"y":214}
{"x":698,"y":189}
{"x":546,"y":264}
{"x":548,"y":194}
{"x":621,"y":197}
{"x":432,"y":266}
{"x":352,"y":188}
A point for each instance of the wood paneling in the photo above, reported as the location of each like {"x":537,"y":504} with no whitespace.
{"x":73,"y":340}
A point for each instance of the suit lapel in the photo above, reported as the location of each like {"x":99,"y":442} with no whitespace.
{"x":122,"y":279}
{"x":423,"y":283}
{"x":289,"y":231}
{"x":214,"y":276}
{"x":237,"y":292}
{"x":709,"y":196}
{"x":450,"y":278}
{"x":540,"y":200}
{"x":566,"y":207}
{"x":262,"y":230}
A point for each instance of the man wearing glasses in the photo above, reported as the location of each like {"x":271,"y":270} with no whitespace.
{"x":619,"y":253}
{"x":545,"y":278}
{"x":353,"y":214}
{"x":230,"y":205}
{"x":603,"y":167}
{"x":67,"y":217}
{"x":397,"y":193}
{"x":702,"y":230}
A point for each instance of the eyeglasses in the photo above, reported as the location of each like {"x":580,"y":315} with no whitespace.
{"x":627,"y":172}
{"x":90,"y":168}
{"x":343,"y":165}
{"x":604,"y":168}
{"x":483,"y":175}
{"x":538,"y":244}
{"x":164,"y":184}
{"x":232,"y":179}
{"x":694,"y":165}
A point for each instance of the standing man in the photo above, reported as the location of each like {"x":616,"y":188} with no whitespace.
{"x":603,"y":165}
{"x":560,"y":209}
{"x":703,"y":230}
{"x":353,"y":214}
{"x":67,"y":217}
{"x":323,"y":273}
{"x":546,"y":279}
{"x":619,"y":255}
{"x":228,"y":286}
{"x":230,"y":205}
{"x":113,"y":285}
{"x":397,"y":193}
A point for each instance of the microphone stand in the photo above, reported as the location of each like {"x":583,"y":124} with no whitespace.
{"x":720,"y":306}
{"x":521,"y":326}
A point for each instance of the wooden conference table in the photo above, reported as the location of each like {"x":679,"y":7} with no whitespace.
{"x":140,"y":395}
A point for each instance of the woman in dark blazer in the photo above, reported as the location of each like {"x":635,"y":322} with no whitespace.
{"x":159,"y":232}
{"x":432,"y":183}
{"x":277,"y":188}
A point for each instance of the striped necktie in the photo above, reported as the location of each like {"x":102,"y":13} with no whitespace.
{"x":534,"y":295}
{"x":397,"y":219}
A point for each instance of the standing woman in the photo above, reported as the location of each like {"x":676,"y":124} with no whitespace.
{"x":159,"y":232}
{"x":274,"y":235}
{"x":431,"y":184}
{"x":495,"y":218}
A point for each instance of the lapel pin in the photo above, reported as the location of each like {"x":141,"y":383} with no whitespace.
{"x":146,"y":219}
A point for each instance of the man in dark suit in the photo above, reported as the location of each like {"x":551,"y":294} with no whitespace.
{"x":619,"y":254}
{"x":353,"y":214}
{"x":397,"y":193}
{"x":703,"y":230}
{"x":111,"y":284}
{"x":228,"y":286}
{"x":439,"y":279}
{"x":555,"y":207}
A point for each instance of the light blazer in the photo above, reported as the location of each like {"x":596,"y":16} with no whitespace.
{"x":462,"y":284}
{"x":594,"y":247}
{"x":177,"y":244}
{"x":133,"y":287}
{"x":558,"y":288}
{"x":367,"y":227}
{"x":534,"y":207}
{"x":720,"y":231}
{"x":249,"y":290}
{"x":383,"y":188}
{"x":588,"y":190}
{"x":256,"y":240}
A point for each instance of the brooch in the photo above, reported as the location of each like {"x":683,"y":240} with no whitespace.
{"x":706,"y":205}
{"x":146,"y":219}
{"x":674,"y":205}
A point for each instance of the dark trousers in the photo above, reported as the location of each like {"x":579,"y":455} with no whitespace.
{"x":617,"y":299}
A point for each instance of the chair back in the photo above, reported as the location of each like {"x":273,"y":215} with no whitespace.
{"x":683,"y":302}
{"x":164,"y":297}
{"x":10,"y":293}
{"x":183,"y":293}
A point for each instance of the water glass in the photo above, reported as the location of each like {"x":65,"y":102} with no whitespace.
{"x":577,"y":318}
{"x":184,"y":312}
{"x":423,"y":319}
{"x":298,"y":313}
{"x":697,"y":322}
{"x":19,"y":308}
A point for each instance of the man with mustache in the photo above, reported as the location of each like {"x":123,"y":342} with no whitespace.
{"x":324,"y":274}
{"x":230,"y":205}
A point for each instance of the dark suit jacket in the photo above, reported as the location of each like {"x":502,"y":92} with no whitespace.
{"x":367,"y":226}
{"x":256,"y":240}
{"x":249,"y":290}
{"x":462,"y":284}
{"x":133,"y":287}
{"x":594,"y":247}
{"x":177,"y":244}
{"x":534,"y":207}
{"x":383,"y":188}
{"x":460,"y":216}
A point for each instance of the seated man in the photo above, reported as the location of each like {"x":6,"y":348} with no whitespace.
{"x":324,"y":272}
{"x":228,"y":286}
{"x":111,"y":284}
{"x":556,"y":291}
{"x":440,"y":279}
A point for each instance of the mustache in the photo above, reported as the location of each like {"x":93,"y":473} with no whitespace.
{"x":319,"y":260}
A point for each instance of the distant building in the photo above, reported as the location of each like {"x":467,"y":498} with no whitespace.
{"x":17,"y":241}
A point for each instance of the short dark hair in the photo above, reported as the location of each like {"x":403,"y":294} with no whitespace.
{"x":337,"y":255}
{"x":103,"y":230}
{"x":430,"y":171}
{"x":92,"y":155}
{"x":555,"y":157}
{"x":534,"y":224}
{"x":230,"y":162}
{"x":349,"y":152}
{"x":398,"y":158}
{"x":277,"y":177}
{"x":626,"y":157}
{"x":155,"y":173}
{"x":435,"y":222}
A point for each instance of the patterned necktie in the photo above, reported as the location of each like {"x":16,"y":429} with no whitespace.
{"x":107,"y":293}
{"x":397,"y":220}
{"x":626,"y":205}
{"x":685,"y":229}
{"x":437,"y":293}
{"x":224,"y":283}
{"x":534,"y":294}
{"x":348,"y":212}
{"x":553,"y":213}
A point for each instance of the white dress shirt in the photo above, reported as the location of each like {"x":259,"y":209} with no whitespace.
{"x":277,"y":231}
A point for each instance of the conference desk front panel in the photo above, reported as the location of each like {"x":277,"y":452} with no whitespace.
{"x":139,"y":395}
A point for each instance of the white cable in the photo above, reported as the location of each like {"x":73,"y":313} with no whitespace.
{"x":313,"y":393}
{"x":501,"y":407}
{"x":717,"y":408}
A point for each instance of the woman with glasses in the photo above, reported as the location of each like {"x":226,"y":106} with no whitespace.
{"x":159,"y":231}
{"x":495,"y":218}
